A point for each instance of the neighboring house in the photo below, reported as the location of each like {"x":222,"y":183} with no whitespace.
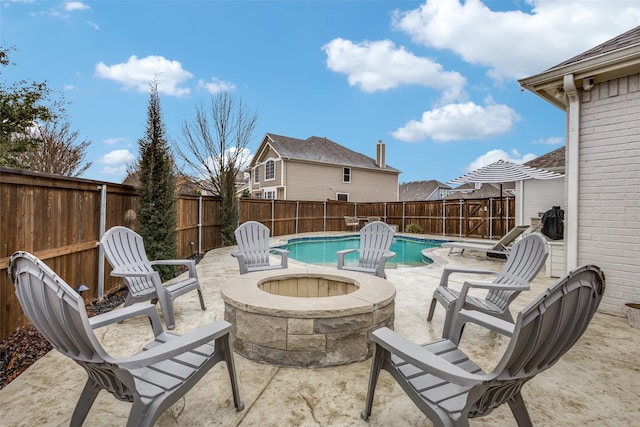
{"x":184,"y":184}
{"x":481,"y":191}
{"x":600,"y":92}
{"x":319,"y":169}
{"x":540,"y":195}
{"x":423,"y":190}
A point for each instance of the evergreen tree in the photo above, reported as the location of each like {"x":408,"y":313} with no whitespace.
{"x":158,"y":213}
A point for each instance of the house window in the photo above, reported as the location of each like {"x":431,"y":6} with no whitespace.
{"x":256,"y":174}
{"x":346,"y":174}
{"x":343,"y":197}
{"x":270,"y":170}
{"x":269,"y":194}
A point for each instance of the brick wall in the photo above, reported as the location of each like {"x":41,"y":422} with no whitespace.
{"x":609,"y":187}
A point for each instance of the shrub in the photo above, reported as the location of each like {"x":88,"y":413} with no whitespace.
{"x":413,"y":228}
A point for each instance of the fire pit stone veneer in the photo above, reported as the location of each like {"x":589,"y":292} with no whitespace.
{"x":307,"y":317}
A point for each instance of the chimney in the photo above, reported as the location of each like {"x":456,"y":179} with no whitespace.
{"x":381,"y":157}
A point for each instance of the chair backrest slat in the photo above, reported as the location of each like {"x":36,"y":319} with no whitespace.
{"x":551,"y":324}
{"x":124,"y":249}
{"x":253,"y":240}
{"x":375,"y":240}
{"x":54,"y":308}
{"x":525,"y":260}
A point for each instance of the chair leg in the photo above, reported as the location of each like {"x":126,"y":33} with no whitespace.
{"x":519,"y":410}
{"x":142,"y":415}
{"x":449,"y":321}
{"x":223,"y":344}
{"x":87,"y":397}
{"x":376,"y":366}
{"x":202,"y":306}
{"x":432,"y":308}
{"x":166,"y":303}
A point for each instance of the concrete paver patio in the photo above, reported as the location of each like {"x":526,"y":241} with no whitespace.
{"x":597,"y":383}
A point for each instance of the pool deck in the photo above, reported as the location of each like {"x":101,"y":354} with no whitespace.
{"x":597,"y":383}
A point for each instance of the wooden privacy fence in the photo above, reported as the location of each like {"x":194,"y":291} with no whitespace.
{"x":477,"y":218}
{"x":61,"y":220}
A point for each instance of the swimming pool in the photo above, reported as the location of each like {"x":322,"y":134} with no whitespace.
{"x":322,"y":250}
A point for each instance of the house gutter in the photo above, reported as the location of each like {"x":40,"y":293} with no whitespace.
{"x":573,"y":168}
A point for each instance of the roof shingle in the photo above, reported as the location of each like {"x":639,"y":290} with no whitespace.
{"x":323,"y":150}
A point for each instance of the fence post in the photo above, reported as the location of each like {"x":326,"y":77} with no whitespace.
{"x":505,"y":228}
{"x":273,"y":212}
{"x":385,"y":211}
{"x":444,"y":217}
{"x":403,"y":213}
{"x":461,"y":216}
{"x":200,"y":223}
{"x":297,"y":213}
{"x":103,"y":222}
{"x":324,"y":216}
{"x":491,"y":217}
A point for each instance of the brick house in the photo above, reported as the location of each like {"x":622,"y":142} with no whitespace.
{"x":317,"y":168}
{"x":600,"y":92}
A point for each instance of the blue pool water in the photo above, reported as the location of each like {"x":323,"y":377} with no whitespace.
{"x":322,"y":250}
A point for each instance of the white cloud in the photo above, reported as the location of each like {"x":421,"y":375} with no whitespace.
{"x":93,"y":25}
{"x":380,"y":65}
{"x":119,"y":170}
{"x":70,"y":6}
{"x":554,"y":140}
{"x":216,"y":86}
{"x":516,"y":43}
{"x":117,"y":158}
{"x":113,"y":141}
{"x":456,"y":122}
{"x":139,"y":73}
{"x":495,"y":155}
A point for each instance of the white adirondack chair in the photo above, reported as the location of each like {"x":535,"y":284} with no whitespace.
{"x":124,"y":249}
{"x":375,"y":241}
{"x":253,"y":248}
{"x":523,"y":263}
{"x":153,"y":379}
{"x":449,"y":388}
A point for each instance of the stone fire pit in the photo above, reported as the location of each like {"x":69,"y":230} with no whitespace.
{"x":308,"y":317}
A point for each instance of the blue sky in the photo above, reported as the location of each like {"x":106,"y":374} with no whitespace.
{"x":436,"y":80}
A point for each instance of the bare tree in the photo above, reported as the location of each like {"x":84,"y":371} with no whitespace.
{"x":58,"y":152}
{"x":215,"y":145}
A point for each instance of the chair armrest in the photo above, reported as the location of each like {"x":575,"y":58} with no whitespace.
{"x":242,"y":261}
{"x":188,"y":262}
{"x":341,"y":255}
{"x":284,"y":254}
{"x":493,"y":285}
{"x":488,"y":321}
{"x":424,"y":359}
{"x":191,"y":264}
{"x":388,"y":255}
{"x":448,"y":271}
{"x":119,"y":315}
{"x":485,"y":285}
{"x":131,"y":273}
{"x":383,"y":263}
{"x":178,"y":345}
{"x":280,"y":251}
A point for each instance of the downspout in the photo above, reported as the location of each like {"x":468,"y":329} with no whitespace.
{"x":572,"y":170}
{"x":519,"y":219}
